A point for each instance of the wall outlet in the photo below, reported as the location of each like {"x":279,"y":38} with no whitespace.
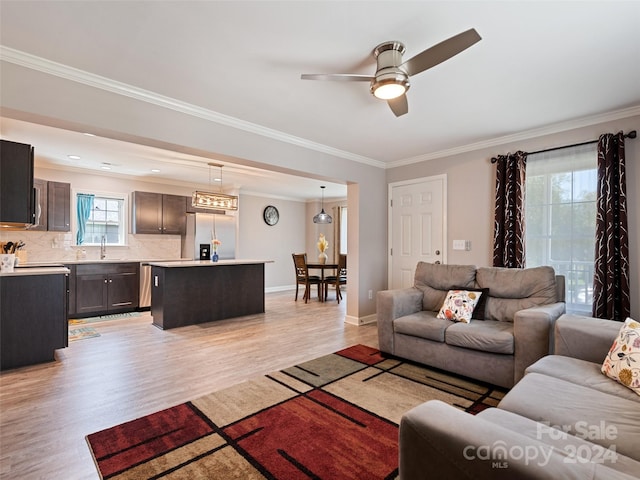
{"x":370,"y":294}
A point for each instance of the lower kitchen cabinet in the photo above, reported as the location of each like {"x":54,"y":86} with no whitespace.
{"x":33,"y":318}
{"x":103,"y":288}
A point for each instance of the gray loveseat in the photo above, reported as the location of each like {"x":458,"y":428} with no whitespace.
{"x":563,"y":420}
{"x":521,"y":308}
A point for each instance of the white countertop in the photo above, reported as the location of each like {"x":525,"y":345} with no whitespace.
{"x":205,"y":263}
{"x":17,"y":272}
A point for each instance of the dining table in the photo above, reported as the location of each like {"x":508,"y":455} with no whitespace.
{"x":322,"y":267}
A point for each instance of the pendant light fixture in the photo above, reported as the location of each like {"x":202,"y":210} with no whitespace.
{"x":214,"y":201}
{"x":322,"y":217}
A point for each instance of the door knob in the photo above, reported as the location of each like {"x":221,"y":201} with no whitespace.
{"x":437,"y":252}
{"x":437,"y":262}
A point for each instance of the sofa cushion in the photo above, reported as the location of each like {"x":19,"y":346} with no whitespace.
{"x":580,"y":372}
{"x":435,"y":280}
{"x":487,"y":336}
{"x":573,"y":448}
{"x":599,"y":417}
{"x":514,"y":289}
{"x":422,"y":324}
{"x":458,"y":306}
{"x":622,"y":363}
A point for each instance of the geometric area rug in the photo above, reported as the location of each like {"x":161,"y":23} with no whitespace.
{"x":334,"y":417}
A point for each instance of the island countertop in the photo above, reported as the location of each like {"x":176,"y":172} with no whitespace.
{"x":205,"y":263}
{"x":22,"y":271}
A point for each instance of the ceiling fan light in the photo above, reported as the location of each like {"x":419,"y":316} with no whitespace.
{"x":389,"y":86}
{"x":389,"y":91}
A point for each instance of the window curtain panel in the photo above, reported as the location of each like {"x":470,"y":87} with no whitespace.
{"x":337,"y":221}
{"x":509,"y":227}
{"x":85,"y":205}
{"x":611,"y":270}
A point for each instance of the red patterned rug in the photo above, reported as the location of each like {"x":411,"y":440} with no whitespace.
{"x":334,"y":417}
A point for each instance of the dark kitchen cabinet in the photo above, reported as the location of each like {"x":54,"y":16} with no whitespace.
{"x":71,"y":307}
{"x":40,"y":190}
{"x":58,"y":206}
{"x":17,"y":206}
{"x":159,"y":213}
{"x":103,"y":288}
{"x":33,"y":318}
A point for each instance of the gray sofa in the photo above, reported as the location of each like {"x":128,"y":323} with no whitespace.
{"x":521,"y":308}
{"x":563,"y":420}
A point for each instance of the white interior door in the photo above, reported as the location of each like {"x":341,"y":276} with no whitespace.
{"x":417,"y":227}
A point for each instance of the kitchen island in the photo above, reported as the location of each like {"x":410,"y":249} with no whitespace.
{"x":189,"y":292}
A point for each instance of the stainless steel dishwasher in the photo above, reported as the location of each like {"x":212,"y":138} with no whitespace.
{"x":145,"y":285}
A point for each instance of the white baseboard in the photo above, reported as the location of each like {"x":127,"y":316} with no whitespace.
{"x":280,"y":288}
{"x":373,"y":318}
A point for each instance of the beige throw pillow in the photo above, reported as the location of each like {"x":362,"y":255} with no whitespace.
{"x":622,"y":363}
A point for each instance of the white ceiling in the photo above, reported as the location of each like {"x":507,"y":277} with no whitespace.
{"x":539,"y":64}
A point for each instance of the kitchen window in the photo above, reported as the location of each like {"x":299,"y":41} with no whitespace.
{"x":100,"y":216}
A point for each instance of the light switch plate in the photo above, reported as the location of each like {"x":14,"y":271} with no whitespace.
{"x":459,"y":245}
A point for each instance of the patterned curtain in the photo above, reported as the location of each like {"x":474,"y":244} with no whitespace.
{"x":611,"y":275}
{"x":508,"y":231}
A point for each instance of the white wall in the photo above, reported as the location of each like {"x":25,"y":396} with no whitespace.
{"x":261,"y":241}
{"x":471,"y":183}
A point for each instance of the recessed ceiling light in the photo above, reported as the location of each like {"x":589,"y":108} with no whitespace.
{"x":89,"y":134}
{"x":105,"y":167}
{"x":74,"y":157}
{"x":155,"y":170}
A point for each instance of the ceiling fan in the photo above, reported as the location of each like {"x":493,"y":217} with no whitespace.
{"x":391,"y":80}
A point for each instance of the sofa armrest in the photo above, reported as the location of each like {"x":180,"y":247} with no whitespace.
{"x":392,"y":304}
{"x":533,"y":334}
{"x":585,"y":338}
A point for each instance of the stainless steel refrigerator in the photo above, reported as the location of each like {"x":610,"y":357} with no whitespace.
{"x":200,"y":227}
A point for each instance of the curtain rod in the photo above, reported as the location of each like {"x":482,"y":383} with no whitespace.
{"x":631,"y":134}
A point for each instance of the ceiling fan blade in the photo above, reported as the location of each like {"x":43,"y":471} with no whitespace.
{"x":399,"y":105}
{"x":339,"y":77}
{"x":442,"y":51}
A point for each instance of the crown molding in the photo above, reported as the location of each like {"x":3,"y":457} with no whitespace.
{"x":49,"y":67}
{"x":521,"y":136}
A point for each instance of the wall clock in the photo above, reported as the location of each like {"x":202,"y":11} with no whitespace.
{"x":271,"y":215}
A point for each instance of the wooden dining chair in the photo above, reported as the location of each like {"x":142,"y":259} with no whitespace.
{"x":340,"y":278}
{"x":303,"y":277}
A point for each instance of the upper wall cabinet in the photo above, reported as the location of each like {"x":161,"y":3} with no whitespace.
{"x":58,"y":207}
{"x":40,"y":189}
{"x":17,"y":206}
{"x":159,"y":213}
{"x":53,"y":206}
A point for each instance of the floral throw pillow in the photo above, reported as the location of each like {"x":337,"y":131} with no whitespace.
{"x":459,"y":305}
{"x":622,"y":363}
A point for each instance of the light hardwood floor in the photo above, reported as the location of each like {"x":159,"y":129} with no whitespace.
{"x":134,"y":369}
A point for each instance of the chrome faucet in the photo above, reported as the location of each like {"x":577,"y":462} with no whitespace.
{"x":103,"y":247}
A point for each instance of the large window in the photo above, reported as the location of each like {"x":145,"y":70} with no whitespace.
{"x":560,"y":209}
{"x":104,"y":217}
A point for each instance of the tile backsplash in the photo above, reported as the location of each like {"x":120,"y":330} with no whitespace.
{"x":60,"y":247}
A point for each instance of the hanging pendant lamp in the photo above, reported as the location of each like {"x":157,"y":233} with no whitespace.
{"x":322,"y":217}
{"x":214,"y":201}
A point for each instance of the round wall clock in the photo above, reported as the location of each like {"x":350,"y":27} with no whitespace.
{"x":271,"y":215}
